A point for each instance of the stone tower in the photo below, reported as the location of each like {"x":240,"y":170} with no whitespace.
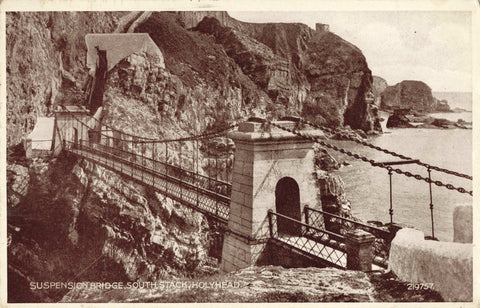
{"x":273,"y":170}
{"x":322,"y":27}
{"x":69,"y":128}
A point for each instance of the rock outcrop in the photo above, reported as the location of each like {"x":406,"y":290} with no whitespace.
{"x":66,"y":215}
{"x":379,"y":85}
{"x":398,"y":119}
{"x":442,"y":106}
{"x":46,"y":55}
{"x":254,"y":284}
{"x":80,"y":221}
{"x":278,"y":68}
{"x":409,"y":94}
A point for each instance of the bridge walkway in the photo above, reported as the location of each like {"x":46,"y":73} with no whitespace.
{"x":204,"y":194}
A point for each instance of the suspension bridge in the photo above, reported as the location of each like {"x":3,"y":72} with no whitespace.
{"x":271,"y":196}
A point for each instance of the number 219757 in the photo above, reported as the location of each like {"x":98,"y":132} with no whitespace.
{"x":420,"y":286}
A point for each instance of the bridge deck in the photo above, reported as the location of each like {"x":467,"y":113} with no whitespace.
{"x":207,"y":202}
{"x":178,"y":184}
{"x":334,"y":257}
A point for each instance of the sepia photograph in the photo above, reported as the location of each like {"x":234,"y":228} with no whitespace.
{"x":194,"y":152}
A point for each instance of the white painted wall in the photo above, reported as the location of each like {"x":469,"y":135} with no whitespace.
{"x":447,"y":265}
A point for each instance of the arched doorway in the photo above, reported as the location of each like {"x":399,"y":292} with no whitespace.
{"x":71,"y":137}
{"x":287,"y":202}
{"x":75,"y":137}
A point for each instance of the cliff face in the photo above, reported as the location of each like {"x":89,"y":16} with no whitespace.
{"x":46,"y":62}
{"x":312,"y":73}
{"x":379,"y":85}
{"x":238,"y":68}
{"x":409,"y":94}
{"x":65,"y":210}
{"x":79,"y":221}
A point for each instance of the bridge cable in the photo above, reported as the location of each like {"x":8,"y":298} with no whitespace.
{"x":373,"y":162}
{"x":351,"y":138}
{"x":150,"y":140}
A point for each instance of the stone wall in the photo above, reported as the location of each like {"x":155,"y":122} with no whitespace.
{"x":462,"y":224}
{"x":447,"y":265}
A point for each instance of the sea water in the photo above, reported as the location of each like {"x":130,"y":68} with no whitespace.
{"x":368,"y":187}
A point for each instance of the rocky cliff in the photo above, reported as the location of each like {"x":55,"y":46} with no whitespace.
{"x":69,"y":219}
{"x":46,"y":63}
{"x":73,"y":220}
{"x":412,"y":94}
{"x":243,"y":68}
{"x":379,"y":85}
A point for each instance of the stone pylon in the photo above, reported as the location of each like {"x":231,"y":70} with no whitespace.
{"x":273,"y":170}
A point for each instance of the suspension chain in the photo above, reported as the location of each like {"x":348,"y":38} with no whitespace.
{"x":215,"y":133}
{"x":455,"y":173}
{"x":373,"y":162}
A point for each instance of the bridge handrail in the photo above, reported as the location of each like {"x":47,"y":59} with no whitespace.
{"x":384,"y":234}
{"x":162,"y":163}
{"x":152,"y":171}
{"x":150,"y":140}
{"x":327,"y":246}
{"x":381,"y":248}
{"x":307,"y":226}
{"x":222,"y":198}
{"x":219,"y":210}
{"x":108,"y":155}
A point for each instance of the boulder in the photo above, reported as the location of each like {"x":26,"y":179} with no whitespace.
{"x":398,"y":120}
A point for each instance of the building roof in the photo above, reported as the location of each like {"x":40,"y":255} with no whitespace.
{"x":119,"y":46}
{"x":42,"y":134}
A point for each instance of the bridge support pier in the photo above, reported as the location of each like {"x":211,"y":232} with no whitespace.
{"x":263,"y":159}
{"x":359,"y":250}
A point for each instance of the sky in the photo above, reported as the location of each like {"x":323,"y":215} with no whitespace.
{"x":432,"y":46}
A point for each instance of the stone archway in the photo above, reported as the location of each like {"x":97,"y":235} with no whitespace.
{"x":71,"y":137}
{"x":287,"y":202}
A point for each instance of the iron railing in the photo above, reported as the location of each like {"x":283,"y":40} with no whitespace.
{"x":206,"y":194}
{"x":341,"y":225}
{"x":321,"y":244}
{"x":205,"y":182}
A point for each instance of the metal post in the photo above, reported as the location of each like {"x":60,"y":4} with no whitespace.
{"x":216,"y":178}
{"x":216,"y":165}
{"x":133,"y":156}
{"x":431,"y":200}
{"x":391,"y":202}
{"x":143,"y":161}
{"x":306,"y":214}
{"x":153,"y":164}
{"x":270,"y":222}
{"x":181,"y":186}
{"x":196,"y":170}
{"x":166,"y":167}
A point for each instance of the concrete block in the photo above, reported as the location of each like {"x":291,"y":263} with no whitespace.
{"x":241,"y":178}
{"x":237,"y":163}
{"x":234,"y":225}
{"x":235,"y":210}
{"x":246,"y":222}
{"x":247,"y":211}
{"x":249,"y":127}
{"x":447,"y":265}
{"x":462,"y":224}
{"x":227,"y":266}
{"x":246,"y":189}
{"x":247,"y":169}
{"x":267,"y":155}
{"x":244,"y":156}
{"x":246,"y":230}
{"x":237,"y":197}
